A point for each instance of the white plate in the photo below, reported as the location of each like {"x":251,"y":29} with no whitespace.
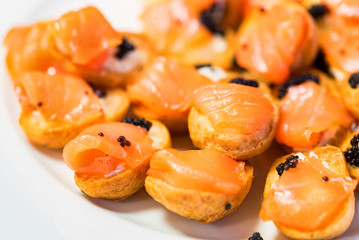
{"x":39,"y":199}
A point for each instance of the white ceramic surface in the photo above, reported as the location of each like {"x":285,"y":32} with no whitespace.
{"x":38,"y":197}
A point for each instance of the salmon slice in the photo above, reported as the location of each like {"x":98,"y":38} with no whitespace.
{"x":99,"y":151}
{"x":58,"y":98}
{"x":233,"y":107}
{"x":339,"y":40}
{"x":307,"y":197}
{"x":307,"y":112}
{"x":175,"y":29}
{"x":32,"y":48}
{"x":277,"y":41}
{"x":165,"y":88}
{"x":84,"y":36}
{"x":203,"y":170}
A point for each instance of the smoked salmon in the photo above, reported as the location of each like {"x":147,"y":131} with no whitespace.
{"x":278,"y":41}
{"x":105,"y":149}
{"x":310,"y":116}
{"x":233,"y":107}
{"x":193,"y":32}
{"x":32,"y":48}
{"x":310,"y":194}
{"x":163,"y":91}
{"x":110,"y":160}
{"x":235,"y":119}
{"x":80,"y":42}
{"x":203,"y":185}
{"x":55,"y":108}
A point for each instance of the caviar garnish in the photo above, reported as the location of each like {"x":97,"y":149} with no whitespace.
{"x":236,"y":66}
{"x":325,"y":178}
{"x":123,"y":141}
{"x":354,"y":80}
{"x":101,"y":134}
{"x":99,"y":93}
{"x":141,"y":122}
{"x":212,"y":17}
{"x":321,"y":63}
{"x":262,"y":9}
{"x":227,"y":206}
{"x":291,"y":162}
{"x":318,"y":10}
{"x":198,"y":66}
{"x":256,"y":236}
{"x":352,"y":154}
{"x":242,"y":81}
{"x":39,"y":104}
{"x":297,"y":80}
{"x":124,"y":48}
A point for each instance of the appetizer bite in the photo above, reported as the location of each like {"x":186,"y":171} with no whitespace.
{"x":236,"y":118}
{"x":278,"y":41}
{"x":110,"y":160}
{"x":193,"y":32}
{"x":163,"y":91}
{"x":55,"y":108}
{"x":80,"y":42}
{"x":350,"y":149}
{"x":203,"y":185}
{"x":310,"y":114}
{"x":310,"y":195}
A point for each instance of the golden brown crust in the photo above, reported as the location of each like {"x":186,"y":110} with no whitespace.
{"x":237,"y":146}
{"x":115,"y":104}
{"x":204,"y":207}
{"x":336,"y":163}
{"x":117,"y":187}
{"x":160,"y":135}
{"x":52,"y":135}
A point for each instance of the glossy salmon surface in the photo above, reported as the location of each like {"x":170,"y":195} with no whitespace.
{"x":84,"y":35}
{"x":165,"y":88}
{"x":32,"y":48}
{"x":307,"y":112}
{"x":277,"y":41}
{"x":203,"y":170}
{"x":233,"y":107}
{"x":307,"y":197}
{"x":58,"y":98}
{"x":97,"y":151}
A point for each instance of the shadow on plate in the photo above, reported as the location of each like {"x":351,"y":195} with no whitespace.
{"x":140,"y":201}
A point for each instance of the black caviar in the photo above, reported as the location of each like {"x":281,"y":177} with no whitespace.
{"x":212,"y":17}
{"x":198,"y":66}
{"x":99,"y":93}
{"x":123,"y":141}
{"x":242,"y":81}
{"x":318,"y":10}
{"x":354,"y":80}
{"x":124,"y":48}
{"x":39,"y":104}
{"x":101,"y":134}
{"x":256,"y":236}
{"x":297,"y":80}
{"x":141,"y":122}
{"x":228,"y":206}
{"x":321,"y":63}
{"x":352,"y":154}
{"x":291,"y":162}
{"x":325,"y":178}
